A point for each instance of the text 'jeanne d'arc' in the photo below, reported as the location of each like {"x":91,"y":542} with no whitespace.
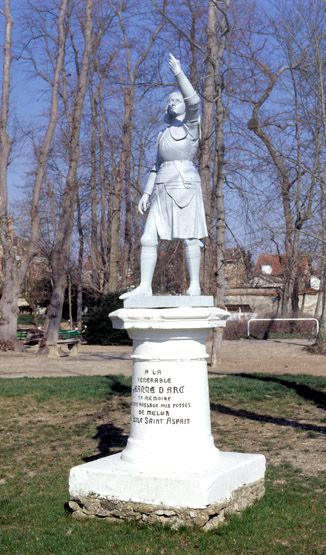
{"x":153,"y":389}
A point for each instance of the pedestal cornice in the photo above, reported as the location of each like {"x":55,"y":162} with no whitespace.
{"x":169,"y":318}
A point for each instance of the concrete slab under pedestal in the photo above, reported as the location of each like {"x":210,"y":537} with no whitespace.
{"x":113,"y":479}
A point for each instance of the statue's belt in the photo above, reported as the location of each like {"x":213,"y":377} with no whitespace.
{"x":176,"y":172}
{"x":178,"y":182}
{"x":177,"y":163}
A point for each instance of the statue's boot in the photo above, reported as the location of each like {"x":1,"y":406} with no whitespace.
{"x":148,"y":259}
{"x":192,"y":252}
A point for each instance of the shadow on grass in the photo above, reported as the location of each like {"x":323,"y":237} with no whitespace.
{"x":249,"y":415}
{"x":305,"y":391}
{"x":109,"y":436}
{"x":118,"y":385}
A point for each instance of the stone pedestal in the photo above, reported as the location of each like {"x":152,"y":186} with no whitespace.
{"x":170,"y":462}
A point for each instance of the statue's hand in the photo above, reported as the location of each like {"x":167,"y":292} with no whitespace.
{"x":143,"y":203}
{"x":174,"y":64}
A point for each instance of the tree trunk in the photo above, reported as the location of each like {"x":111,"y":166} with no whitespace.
{"x":318,"y":308}
{"x":10,"y":291}
{"x":115,"y":235}
{"x":320,"y":344}
{"x":122,"y":184}
{"x":5,"y":140}
{"x":94,"y":202}
{"x":217,"y":339}
{"x":217,"y":335}
{"x":54,"y":312}
{"x":207,"y":131}
{"x":217,"y":30}
{"x":70,"y":303}
{"x":9,"y":300}
{"x":61,"y":250}
{"x":128,"y":192}
{"x":104,"y":194}
{"x":219,"y":205}
{"x":79,"y":316}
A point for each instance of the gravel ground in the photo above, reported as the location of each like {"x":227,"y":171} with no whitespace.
{"x":272,"y":356}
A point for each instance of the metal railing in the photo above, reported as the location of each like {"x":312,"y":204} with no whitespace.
{"x":281,"y":320}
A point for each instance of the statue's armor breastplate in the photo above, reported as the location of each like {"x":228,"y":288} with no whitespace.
{"x":177,"y":148}
{"x":177,"y":144}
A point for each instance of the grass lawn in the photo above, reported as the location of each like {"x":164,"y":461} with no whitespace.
{"x":49,"y":425}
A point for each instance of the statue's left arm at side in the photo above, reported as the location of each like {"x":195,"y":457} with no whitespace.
{"x":144,"y":201}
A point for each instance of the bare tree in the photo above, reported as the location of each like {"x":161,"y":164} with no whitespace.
{"x":206,"y":153}
{"x":123,"y":191}
{"x":19,"y":262}
{"x":293,"y":151}
{"x":221,"y":28}
{"x":99,"y":70}
{"x":318,"y":43}
{"x":61,"y":250}
{"x":10,"y":289}
{"x":320,"y":344}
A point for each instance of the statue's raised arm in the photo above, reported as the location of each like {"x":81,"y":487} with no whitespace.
{"x":190,"y":97}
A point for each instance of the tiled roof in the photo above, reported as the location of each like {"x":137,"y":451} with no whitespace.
{"x":276,"y":262}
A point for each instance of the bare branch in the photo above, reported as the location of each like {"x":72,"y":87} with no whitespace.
{"x":181,"y":31}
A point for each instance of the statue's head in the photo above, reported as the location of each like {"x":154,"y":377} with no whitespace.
{"x":175,"y":107}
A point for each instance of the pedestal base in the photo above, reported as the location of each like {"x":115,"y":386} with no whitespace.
{"x":112,"y":489}
{"x":112,"y":478}
{"x":170,"y":470}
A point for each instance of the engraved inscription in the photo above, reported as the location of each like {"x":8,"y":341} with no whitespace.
{"x":157,"y":399}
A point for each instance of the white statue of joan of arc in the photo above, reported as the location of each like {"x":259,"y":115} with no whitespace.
{"x":173,"y":190}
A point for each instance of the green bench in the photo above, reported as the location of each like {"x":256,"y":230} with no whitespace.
{"x":21,"y":335}
{"x":70,"y":338}
{"x":69,"y":334}
{"x":30,"y":336}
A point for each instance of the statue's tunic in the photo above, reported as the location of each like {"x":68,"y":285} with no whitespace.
{"x":177,"y":203}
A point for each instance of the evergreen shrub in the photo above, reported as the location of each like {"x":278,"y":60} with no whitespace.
{"x":99,"y":330}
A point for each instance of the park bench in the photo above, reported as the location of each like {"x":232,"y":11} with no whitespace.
{"x":70,"y":338}
{"x":70,"y":334}
{"x":29,"y":336}
{"x":22,"y":335}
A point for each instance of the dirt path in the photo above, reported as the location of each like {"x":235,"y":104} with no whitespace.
{"x":272,"y":356}
{"x":286,"y":356}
